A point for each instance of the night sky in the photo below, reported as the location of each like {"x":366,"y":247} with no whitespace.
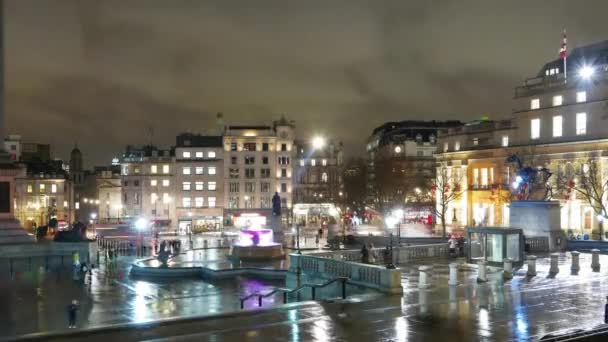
{"x":102,"y":73}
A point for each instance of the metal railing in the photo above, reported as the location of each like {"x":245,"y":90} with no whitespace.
{"x":287,"y":292}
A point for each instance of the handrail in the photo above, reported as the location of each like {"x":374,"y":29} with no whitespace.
{"x":287,"y":291}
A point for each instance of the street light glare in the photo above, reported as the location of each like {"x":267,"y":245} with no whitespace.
{"x":586,"y":72}
{"x":318,"y":142}
{"x":141,"y":223}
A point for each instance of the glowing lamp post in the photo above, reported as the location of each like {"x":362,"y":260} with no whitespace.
{"x":318,"y":143}
{"x":141,"y":224}
{"x":586,"y":72}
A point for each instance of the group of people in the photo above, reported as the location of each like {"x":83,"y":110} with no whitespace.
{"x":174,"y":246}
{"x":456,"y":245}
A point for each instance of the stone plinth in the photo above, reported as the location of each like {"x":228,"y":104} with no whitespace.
{"x":539,"y":219}
{"x":257,"y":252}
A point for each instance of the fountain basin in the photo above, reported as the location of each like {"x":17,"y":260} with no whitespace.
{"x":256,"y":244}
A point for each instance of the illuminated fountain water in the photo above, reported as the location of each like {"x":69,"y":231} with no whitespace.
{"x":256,"y":243}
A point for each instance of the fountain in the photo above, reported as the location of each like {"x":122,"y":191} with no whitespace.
{"x":256,"y":243}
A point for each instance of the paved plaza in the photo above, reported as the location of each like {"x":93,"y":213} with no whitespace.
{"x":525,"y":308}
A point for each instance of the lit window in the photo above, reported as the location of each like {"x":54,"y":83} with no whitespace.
{"x":186,"y":202}
{"x":54,"y":188}
{"x":186,"y":170}
{"x":153,"y":169}
{"x":42,"y":188}
{"x":445,"y":147}
{"x":165,"y":169}
{"x":65,"y":204}
{"x":211,"y":154}
{"x":475,"y":141}
{"x":557,"y":126}
{"x":324,"y":177}
{"x":153,"y":182}
{"x":302,"y":162}
{"x":505,"y":140}
{"x":186,"y":154}
{"x":212,"y":170}
{"x":535,"y":128}
{"x":165,"y":182}
{"x":153,"y":198}
{"x":211,"y":202}
{"x":324,"y":162}
{"x":199,"y":186}
{"x":581,"y":96}
{"x":198,"y":202}
{"x":77,"y":205}
{"x":557,"y":100}
{"x":581,"y":123}
{"x":484,"y":177}
{"x":313,"y":162}
{"x":198,"y":170}
{"x":166,"y":198}
{"x":211,"y":186}
{"x":457,"y":146}
{"x":198,"y":154}
{"x":30,"y":188}
{"x":186,"y":186}
{"x":535,"y":104}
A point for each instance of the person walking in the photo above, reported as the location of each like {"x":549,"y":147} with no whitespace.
{"x":317,"y":240}
{"x":365,"y":254}
{"x":72,"y":309}
{"x":452,"y":244}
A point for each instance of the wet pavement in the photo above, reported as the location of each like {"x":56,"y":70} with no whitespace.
{"x":525,"y":308}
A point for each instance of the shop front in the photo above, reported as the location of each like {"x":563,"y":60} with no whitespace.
{"x":199,"y":224}
{"x":241,"y":218}
{"x":315,"y":214}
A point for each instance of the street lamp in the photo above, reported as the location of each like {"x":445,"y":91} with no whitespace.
{"x":141,"y":224}
{"x":586,"y":72}
{"x":318,"y":143}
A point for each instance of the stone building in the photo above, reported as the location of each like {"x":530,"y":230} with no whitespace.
{"x":199,"y":182}
{"x":258,"y":161}
{"x":557,"y":123}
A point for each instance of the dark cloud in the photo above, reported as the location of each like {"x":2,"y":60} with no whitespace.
{"x":103,"y":72}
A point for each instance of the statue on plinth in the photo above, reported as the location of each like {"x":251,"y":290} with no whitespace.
{"x":276,"y":204}
{"x":531,"y":183}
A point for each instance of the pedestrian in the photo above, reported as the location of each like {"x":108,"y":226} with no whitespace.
{"x":364,"y":254}
{"x":317,"y":240}
{"x":72,"y":309}
{"x":461,"y":246}
{"x":321,"y":232}
{"x":452,"y":245}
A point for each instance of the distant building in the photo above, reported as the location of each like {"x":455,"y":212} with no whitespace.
{"x":199,"y":182}
{"x":109,"y":190}
{"x":400,"y":163}
{"x":318,"y":173}
{"x":258,"y":161}
{"x":12,"y":145}
{"x":43,"y":193}
{"x":148,"y":186}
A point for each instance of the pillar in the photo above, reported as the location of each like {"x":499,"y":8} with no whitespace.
{"x":575,"y":262}
{"x":424,"y":280}
{"x":482,"y":273}
{"x":554,"y":269}
{"x":531,"y":265}
{"x":595,"y":260}
{"x":453,"y":280}
{"x":507,"y":272}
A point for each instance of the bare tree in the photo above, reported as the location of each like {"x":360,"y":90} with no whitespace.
{"x":584,"y":179}
{"x":447,"y":187}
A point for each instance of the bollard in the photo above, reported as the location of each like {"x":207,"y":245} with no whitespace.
{"x":453,"y":280}
{"x":205,"y":244}
{"x":554,"y":269}
{"x":595,"y":260}
{"x":424,"y":280}
{"x":575,"y":262}
{"x":507,"y":272}
{"x":482,"y":273}
{"x":531,"y":265}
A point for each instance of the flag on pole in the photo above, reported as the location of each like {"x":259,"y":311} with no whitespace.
{"x":563,"y":52}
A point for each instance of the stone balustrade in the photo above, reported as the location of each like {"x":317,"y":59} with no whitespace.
{"x":366,"y":275}
{"x":401,"y":254}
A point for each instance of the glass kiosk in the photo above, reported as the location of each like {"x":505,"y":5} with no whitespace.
{"x":494,"y":245}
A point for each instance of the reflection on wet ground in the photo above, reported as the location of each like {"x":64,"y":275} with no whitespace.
{"x":521,"y":309}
